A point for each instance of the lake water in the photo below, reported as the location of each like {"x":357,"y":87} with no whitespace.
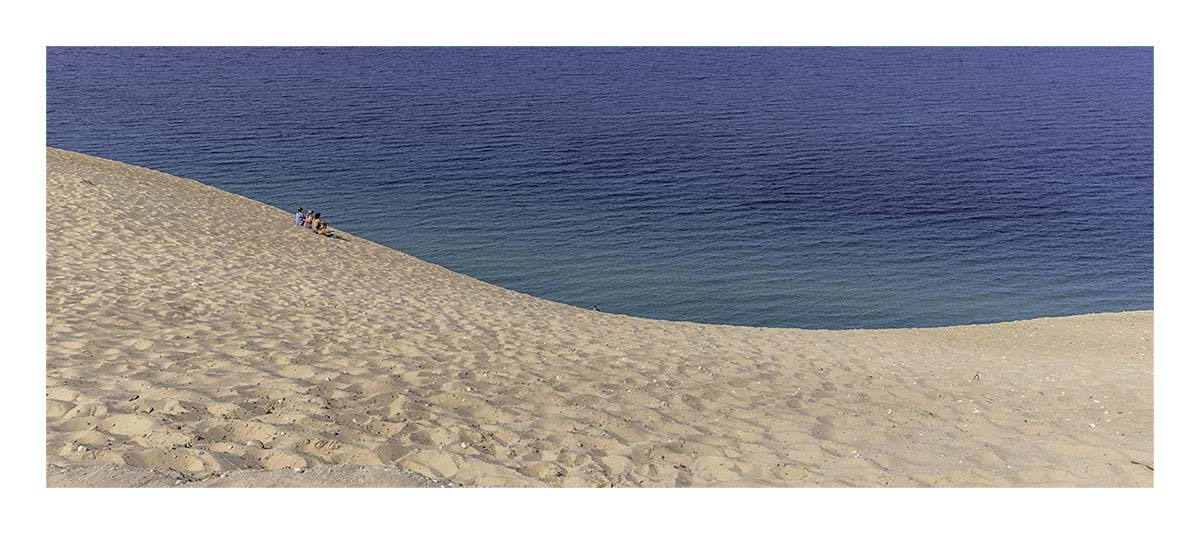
{"x":803,"y":187}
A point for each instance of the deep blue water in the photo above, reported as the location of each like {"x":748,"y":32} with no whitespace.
{"x":806,"y":187}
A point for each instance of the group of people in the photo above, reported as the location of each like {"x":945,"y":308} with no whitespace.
{"x":313,"y":222}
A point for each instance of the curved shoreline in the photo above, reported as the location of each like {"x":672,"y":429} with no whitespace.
{"x":238,"y":341}
{"x":288,"y":214}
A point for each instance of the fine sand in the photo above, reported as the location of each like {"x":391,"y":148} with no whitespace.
{"x":196,"y":337}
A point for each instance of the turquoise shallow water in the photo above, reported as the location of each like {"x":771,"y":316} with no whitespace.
{"x":807,"y":187}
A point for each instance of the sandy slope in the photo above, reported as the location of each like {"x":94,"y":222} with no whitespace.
{"x":194,"y":330}
{"x":320,"y":476}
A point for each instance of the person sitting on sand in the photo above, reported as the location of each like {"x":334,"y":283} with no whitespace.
{"x":316,"y":223}
{"x":320,"y":227}
{"x":324,"y":230}
{"x":308,"y":219}
{"x":300,"y":216}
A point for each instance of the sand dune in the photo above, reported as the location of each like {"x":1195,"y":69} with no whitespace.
{"x":193,"y":331}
